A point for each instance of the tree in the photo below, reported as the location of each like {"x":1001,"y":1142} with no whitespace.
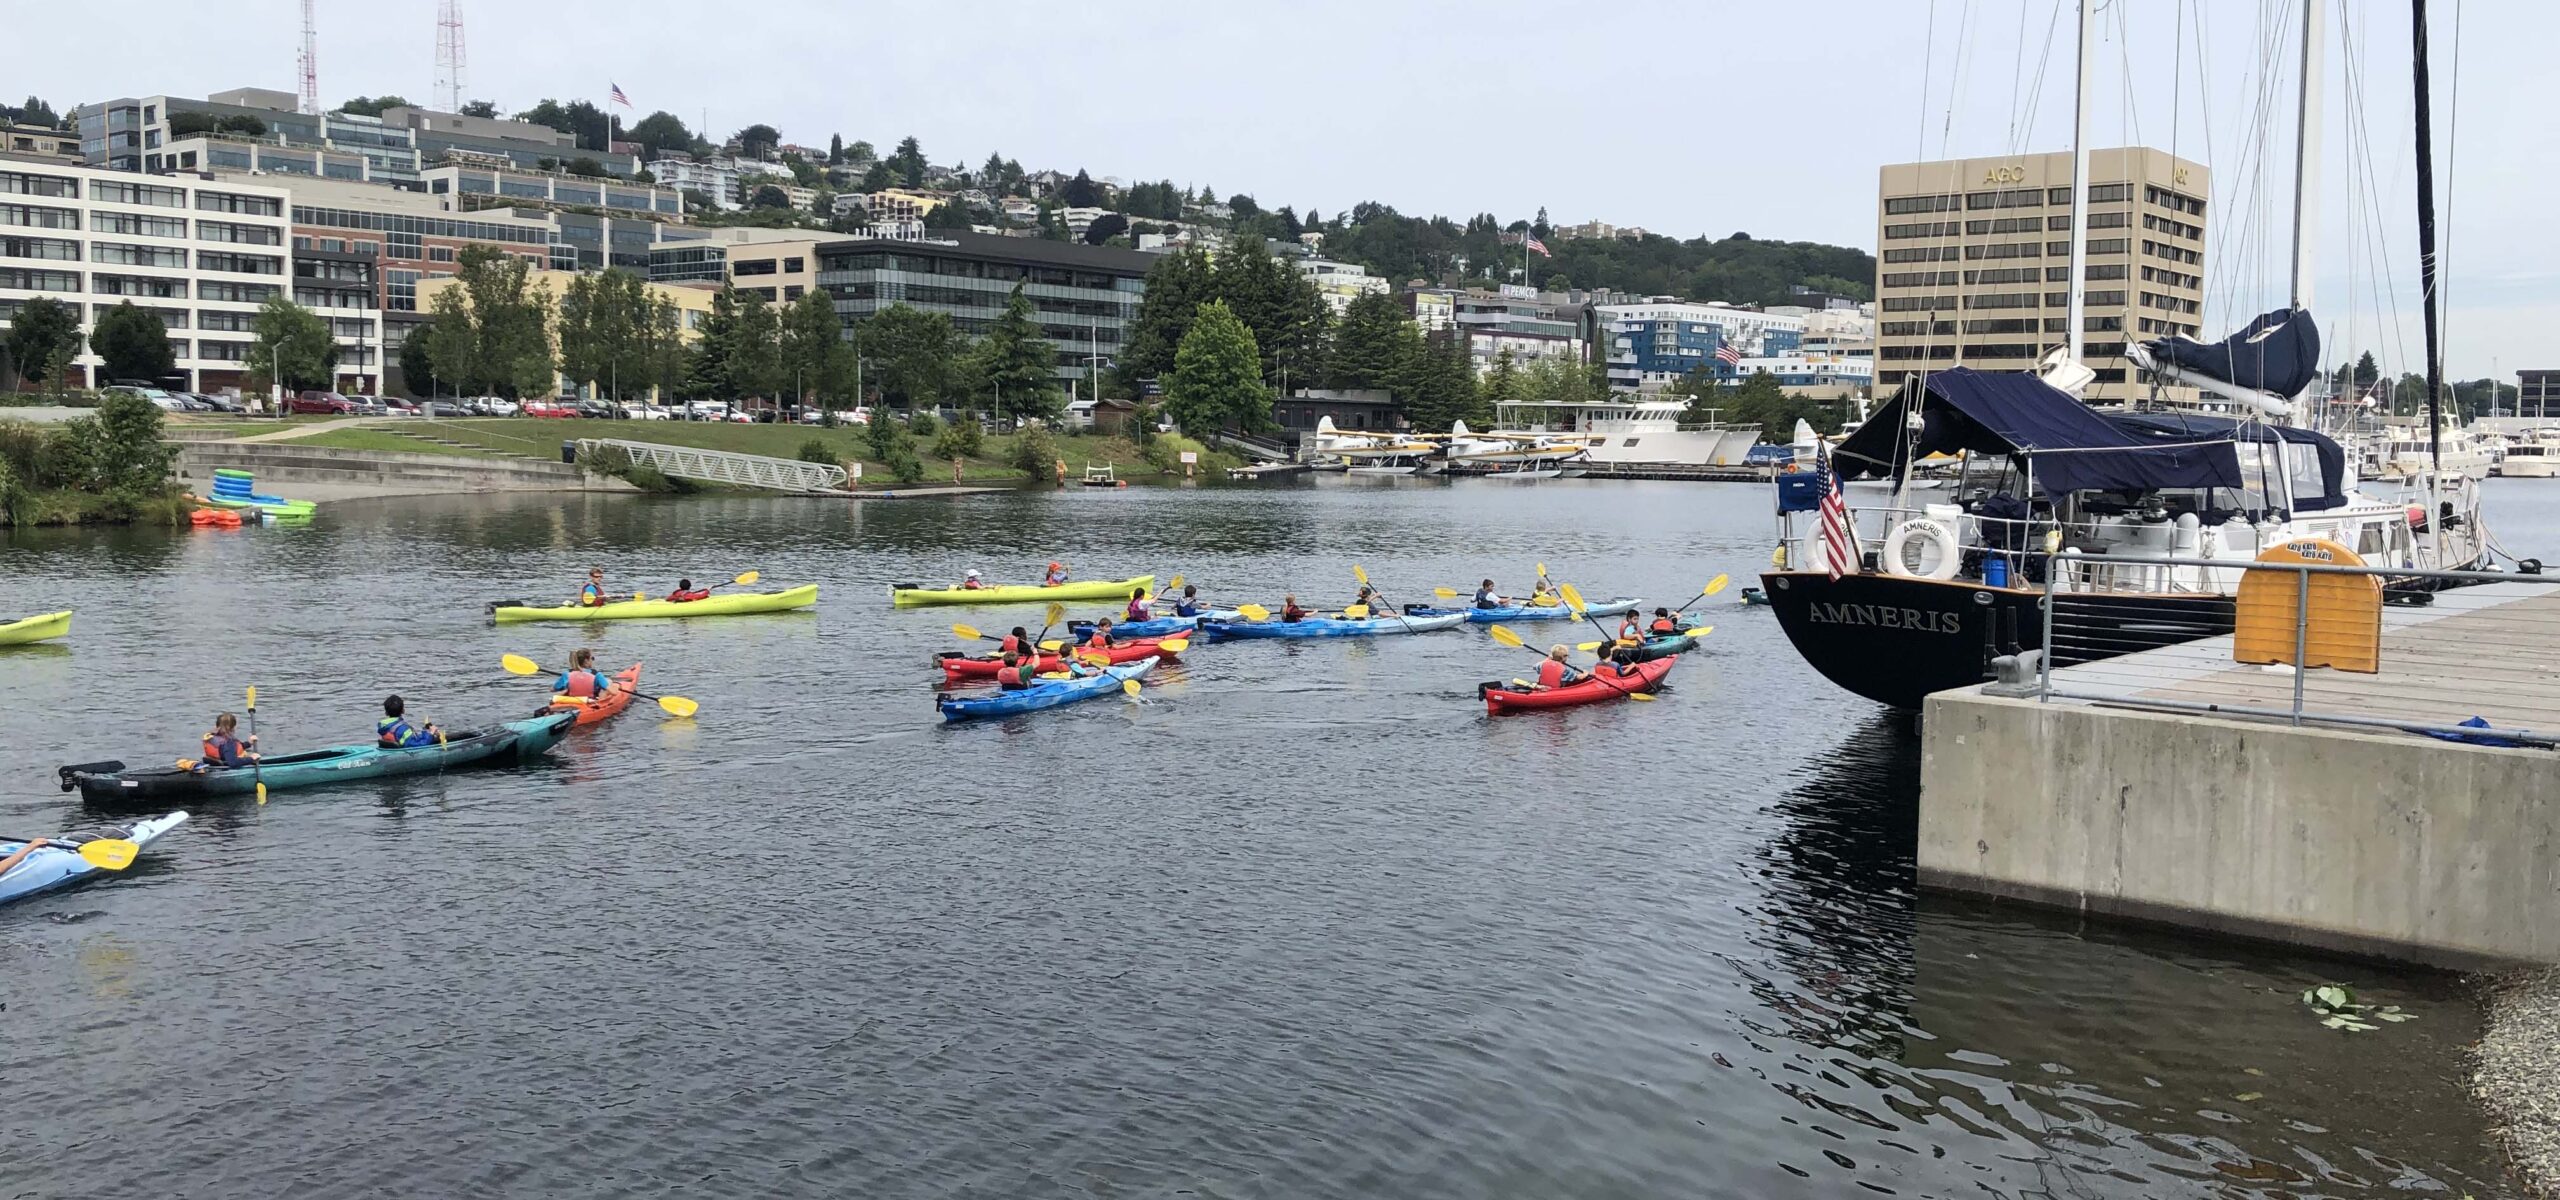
{"x":991,"y":176}
{"x":1283,"y":308}
{"x":1081,"y":192}
{"x":127,"y":453}
{"x":770,"y":196}
{"x":36,"y":112}
{"x":134,"y":344}
{"x":293,"y":346}
{"x":1243,"y":207}
{"x":861,"y":152}
{"x":953,"y":215}
{"x":755,"y":365}
{"x":586,"y":124}
{"x":835,"y":149}
{"x":659,"y":133}
{"x":44,"y":332}
{"x":909,"y":162}
{"x":811,"y":332}
{"x":911,"y":354}
{"x":418,"y":369}
{"x":878,"y":178}
{"x":1502,"y":384}
{"x":1104,"y":228}
{"x":372,"y":106}
{"x":757,"y":141}
{"x":1368,"y":343}
{"x":1176,"y":286}
{"x":2367,"y":371}
{"x":1017,"y":364}
{"x":485,"y":109}
{"x":1539,"y":228}
{"x":491,"y":331}
{"x":1217,"y":374}
{"x":586,"y":167}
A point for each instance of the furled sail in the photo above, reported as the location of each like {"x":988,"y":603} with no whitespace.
{"x":2278,"y":354}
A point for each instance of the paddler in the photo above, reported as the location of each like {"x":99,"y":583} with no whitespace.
{"x":1057,"y":576}
{"x":224,"y":747}
{"x":972,"y":583}
{"x":1139,"y":609}
{"x":1542,"y":595}
{"x":1290,"y":611}
{"x":1630,"y":628}
{"x":22,"y":852}
{"x":1369,"y":599}
{"x":395,"y":731}
{"x":1189,"y":605}
{"x":1100,"y":639}
{"x":1016,"y":642}
{"x":581,"y":681}
{"x":1486,"y":597}
{"x":1556,"y":672}
{"x":1664,"y":624}
{"x":1017,"y":671}
{"x":686,"y":593}
{"x":592,"y":595}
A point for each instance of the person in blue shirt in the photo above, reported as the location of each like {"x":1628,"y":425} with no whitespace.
{"x":581,"y":681}
{"x":224,"y":747}
{"x":1486,"y":597}
{"x":1189,"y":605}
{"x":395,"y":730}
{"x":592,"y":595}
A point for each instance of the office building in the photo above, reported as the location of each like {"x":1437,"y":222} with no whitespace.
{"x":1340,"y":283}
{"x":489,"y":186}
{"x":1656,"y":343}
{"x":451,"y":137}
{"x":1514,"y":319}
{"x":1083,"y":296}
{"x":200,"y":254}
{"x":1973,"y":256}
{"x":254,"y":129}
{"x":779,"y":264}
{"x":39,"y":141}
{"x":715,"y":179}
{"x":2537,"y":393}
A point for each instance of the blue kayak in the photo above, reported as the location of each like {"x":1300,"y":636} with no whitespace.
{"x":1328,"y":627}
{"x":512,"y":742}
{"x":57,"y":863}
{"x":1530,"y":612}
{"x":1048,"y":693}
{"x":1157,"y":627}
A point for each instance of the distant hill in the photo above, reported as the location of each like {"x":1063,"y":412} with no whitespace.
{"x":1740,"y":268}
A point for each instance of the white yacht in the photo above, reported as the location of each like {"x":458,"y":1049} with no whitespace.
{"x":2406,"y":453}
{"x":1628,"y":431}
{"x":2533,"y":454}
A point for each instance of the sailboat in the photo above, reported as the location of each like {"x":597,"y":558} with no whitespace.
{"x":1945,"y":588}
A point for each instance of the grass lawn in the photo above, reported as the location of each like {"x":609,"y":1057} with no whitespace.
{"x":383,"y":439}
{"x":542,"y":438}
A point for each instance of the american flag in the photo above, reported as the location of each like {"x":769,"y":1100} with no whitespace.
{"x":1730,"y":354}
{"x":1839,"y":537}
{"x":619,"y":98}
{"x":1539,"y":246}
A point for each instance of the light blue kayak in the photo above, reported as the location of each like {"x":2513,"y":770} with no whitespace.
{"x":1048,"y":693}
{"x":1329,"y":627}
{"x":57,"y":864}
{"x":1532,"y":612}
{"x":1157,"y":627}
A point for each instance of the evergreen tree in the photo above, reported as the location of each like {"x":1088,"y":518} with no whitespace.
{"x":134,"y":344}
{"x":835,"y":149}
{"x":1368,"y":343}
{"x":909,"y":162}
{"x":1176,"y":286}
{"x":1283,"y":308}
{"x":1217,"y":375}
{"x":1018,"y":365}
{"x":1502,"y":384}
{"x":878,"y":178}
{"x":755,"y":363}
{"x":418,"y":371}
{"x":504,"y":317}
{"x":715,"y":346}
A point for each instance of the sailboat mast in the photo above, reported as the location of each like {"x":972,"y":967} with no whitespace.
{"x":2306,"y":154}
{"x":2427,"y":232}
{"x":2077,"y":308}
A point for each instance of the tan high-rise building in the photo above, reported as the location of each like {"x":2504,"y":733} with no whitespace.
{"x":1972,"y":256}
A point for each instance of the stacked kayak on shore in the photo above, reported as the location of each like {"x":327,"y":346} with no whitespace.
{"x":233,"y":489}
{"x":1328,"y":627}
{"x":727,"y":604}
{"x":909,"y":595}
{"x":43,"y":627}
{"x":957,"y":666}
{"x":602,"y":707}
{"x":511,"y":742}
{"x":1048,"y":693}
{"x":1605,"y":683}
{"x":57,"y":864}
{"x":1530,"y":612}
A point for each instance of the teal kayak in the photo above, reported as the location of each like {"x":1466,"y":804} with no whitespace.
{"x":1048,"y":693}
{"x":513,"y":742}
{"x":1328,"y":627}
{"x":57,"y":864}
{"x":1531,"y":612}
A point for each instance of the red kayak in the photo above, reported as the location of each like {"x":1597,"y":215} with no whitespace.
{"x":1607,"y":685}
{"x":602,"y":706}
{"x":956,"y":665}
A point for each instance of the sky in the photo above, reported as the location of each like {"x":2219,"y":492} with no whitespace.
{"x":1702,"y":117}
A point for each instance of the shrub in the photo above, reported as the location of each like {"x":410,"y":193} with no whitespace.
{"x":922,"y":424}
{"x":905,"y":466}
{"x":960,"y":439}
{"x":883,"y":433}
{"x":1142,"y":426}
{"x":1161,"y":455}
{"x":816,"y":450}
{"x":127,"y":454}
{"x":1035,"y":453}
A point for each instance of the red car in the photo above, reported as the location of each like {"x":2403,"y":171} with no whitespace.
{"x":322,"y":403}
{"x":538,"y":408}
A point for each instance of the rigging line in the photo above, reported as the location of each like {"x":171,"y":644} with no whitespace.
{"x":2129,"y":112}
{"x":2452,"y":146}
{"x":1928,"y":55}
{"x":2386,"y":277}
{"x":2017,"y":77}
{"x":1955,"y":88}
{"x":2035,"y":91}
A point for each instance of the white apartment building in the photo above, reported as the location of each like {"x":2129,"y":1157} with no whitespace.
{"x":1080,"y":219}
{"x":1653,"y":344}
{"x":1340,"y":283}
{"x":713,"y":179}
{"x":200,"y":254}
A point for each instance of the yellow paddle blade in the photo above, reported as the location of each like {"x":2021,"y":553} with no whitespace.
{"x":570,"y":700}
{"x":747,"y":579}
{"x":1713,"y":586}
{"x":262,"y":791}
{"x":1356,"y":611}
{"x":1447,"y":593}
{"x":1640,"y":696}
{"x":517,"y":664}
{"x":114,"y":854}
{"x":1253,"y":612}
{"x":1573,"y":598}
{"x":1095,"y":658}
{"x":1542,"y":570}
{"x":253,"y":695}
{"x":1053,"y":645}
{"x":1587,"y":647}
{"x":1174,"y":586}
{"x":1174,"y":645}
{"x":678,"y":706}
{"x":1057,"y":675}
{"x":1056,"y":613}
{"x":640,"y":595}
{"x":1701,"y":631}
{"x":967,"y":633}
{"x":1503,"y":634}
{"x":1129,"y":686}
{"x":1360,"y":573}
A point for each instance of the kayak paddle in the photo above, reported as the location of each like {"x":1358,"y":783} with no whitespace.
{"x":675,"y":706}
{"x":1503,"y":634}
{"x":1694,"y":633}
{"x":1057,"y":612}
{"x":1573,"y":600}
{"x":747,"y":580}
{"x":1362,"y":574}
{"x":1713,"y":586}
{"x":255,"y":771}
{"x":109,"y":854}
{"x":1253,"y":612}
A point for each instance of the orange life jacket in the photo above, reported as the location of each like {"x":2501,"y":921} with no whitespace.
{"x":1011,"y":644}
{"x":1099,"y":641}
{"x":1665,"y":626}
{"x":582,"y":684}
{"x":1551,"y":674}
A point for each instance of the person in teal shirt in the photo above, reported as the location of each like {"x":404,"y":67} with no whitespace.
{"x":395,"y":731}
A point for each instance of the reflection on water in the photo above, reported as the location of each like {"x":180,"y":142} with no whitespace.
{"x":1305,"y":922}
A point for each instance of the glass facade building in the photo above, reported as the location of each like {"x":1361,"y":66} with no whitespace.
{"x":1083,"y":297}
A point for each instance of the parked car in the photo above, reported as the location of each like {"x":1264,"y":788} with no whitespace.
{"x":445,"y":408}
{"x":397,"y":407}
{"x":705,"y":410}
{"x":218,"y":403}
{"x":322,"y":403}
{"x":548,"y":410}
{"x":600,"y":409}
{"x":493,"y":406}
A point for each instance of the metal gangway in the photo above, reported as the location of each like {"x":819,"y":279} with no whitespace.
{"x":728,"y":467}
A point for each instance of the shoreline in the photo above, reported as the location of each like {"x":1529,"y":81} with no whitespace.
{"x":2516,"y":1074}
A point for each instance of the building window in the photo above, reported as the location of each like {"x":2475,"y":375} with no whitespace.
{"x":2110,"y":193}
{"x":2008,"y":198}
{"x":1919,"y":204}
{"x":136,"y":285}
{"x":57,"y":249}
{"x":246,"y":235}
{"x":246,"y":206}
{"x":793,"y":266}
{"x":29,"y":279}
{"x":21,"y":183}
{"x":138,"y":193}
{"x":237,"y":293}
{"x":239,"y":264}
{"x":215,"y":321}
{"x":441,"y":254}
{"x":123,"y":255}
{"x":37,"y":216}
{"x":760,"y":266}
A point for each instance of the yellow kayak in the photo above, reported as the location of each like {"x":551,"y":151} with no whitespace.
{"x":906,"y":594}
{"x":35,"y":629}
{"x":729,"y":605}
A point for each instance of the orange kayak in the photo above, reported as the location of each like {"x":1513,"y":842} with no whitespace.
{"x":602,"y":707}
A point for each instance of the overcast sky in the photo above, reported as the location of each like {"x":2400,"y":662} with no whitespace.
{"x":1685,"y":117}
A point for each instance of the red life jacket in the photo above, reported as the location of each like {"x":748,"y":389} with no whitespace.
{"x":691,"y":596}
{"x":1665,"y":626}
{"x":1011,"y":644}
{"x":213,"y":754}
{"x":1099,"y":641}
{"x":582,"y":684}
{"x":971,"y":586}
{"x":1018,"y":675}
{"x":1551,"y":674}
{"x":1138,"y":611}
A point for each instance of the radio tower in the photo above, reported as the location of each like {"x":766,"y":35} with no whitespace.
{"x":449,"y":56}
{"x":310,"y":61}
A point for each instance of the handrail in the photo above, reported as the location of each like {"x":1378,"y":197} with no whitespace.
{"x":728,"y":466}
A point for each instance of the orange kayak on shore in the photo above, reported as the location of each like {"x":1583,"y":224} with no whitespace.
{"x":600,"y":708}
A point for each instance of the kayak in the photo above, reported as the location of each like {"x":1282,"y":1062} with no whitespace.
{"x":1154,"y":626}
{"x":906,"y":595}
{"x":1329,"y":627}
{"x":511,"y":742}
{"x":236,"y":489}
{"x":1645,"y":677}
{"x":957,"y":666}
{"x":1665,"y":646}
{"x":1531,"y":612}
{"x":602,"y":707}
{"x":1048,"y":693}
{"x":35,"y":629}
{"x":725,"y":605}
{"x":57,"y":863}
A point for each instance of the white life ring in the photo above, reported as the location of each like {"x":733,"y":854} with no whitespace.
{"x":1925,"y":536}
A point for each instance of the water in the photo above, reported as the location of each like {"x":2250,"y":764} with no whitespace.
{"x":1306,"y":923}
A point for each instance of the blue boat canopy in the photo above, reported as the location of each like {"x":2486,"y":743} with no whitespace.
{"x":2070,"y":447}
{"x":2278,"y":353}
{"x":2308,"y":491}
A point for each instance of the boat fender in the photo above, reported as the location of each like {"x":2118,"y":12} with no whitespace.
{"x":1899,"y":544}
